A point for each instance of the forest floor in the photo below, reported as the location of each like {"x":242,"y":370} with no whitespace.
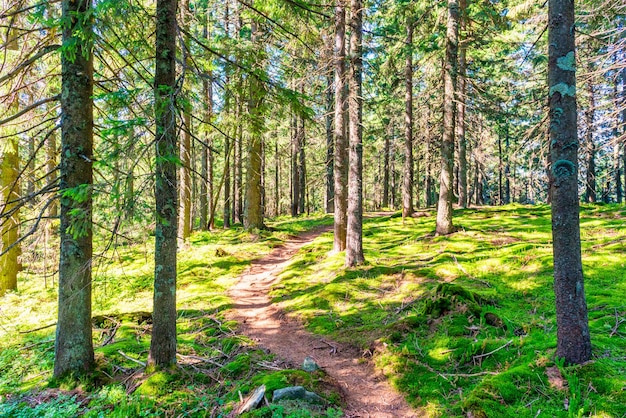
{"x":456,"y":326}
{"x":365,"y":391}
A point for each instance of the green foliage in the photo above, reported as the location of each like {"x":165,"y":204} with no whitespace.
{"x":122,"y":295}
{"x":465,"y":324}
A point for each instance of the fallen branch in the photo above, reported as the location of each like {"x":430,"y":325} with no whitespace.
{"x":618,"y":321}
{"x":469,"y":374}
{"x":479,"y":356}
{"x":37,"y":329}
{"x":203,"y":359}
{"x":26,"y":347}
{"x":127,"y":357}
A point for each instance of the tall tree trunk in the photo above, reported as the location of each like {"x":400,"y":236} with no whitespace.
{"x":386,"y":167}
{"x":354,"y":237}
{"x":507,"y":168}
{"x":204,"y":173}
{"x":185,"y":145}
{"x":185,"y":178}
{"x":330,"y":185}
{"x":9,"y":208}
{"x":253,"y":205}
{"x":341,"y":143}
{"x":205,"y":181}
{"x":295,"y":152}
{"x":213,"y":195}
{"x":276,"y":178}
{"x":302,"y":165}
{"x":163,"y":344}
{"x":227,"y":171}
{"x":623,"y":125}
{"x":407,"y":183}
{"x":500,"y":173}
{"x":616,"y":148}
{"x":444,"y":208}
{"x":573,"y":340}
{"x":51,"y":166}
{"x":590,"y":183}
{"x":460,"y":117}
{"x":428,"y":156}
{"x":74,"y":346}
{"x":238,"y":166}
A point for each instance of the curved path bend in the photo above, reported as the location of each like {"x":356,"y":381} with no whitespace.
{"x":365,"y":391}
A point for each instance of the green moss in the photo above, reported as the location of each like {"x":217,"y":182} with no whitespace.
{"x":157,"y":384}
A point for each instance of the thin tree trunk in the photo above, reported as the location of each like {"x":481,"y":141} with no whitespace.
{"x":500,"y":174}
{"x":507,"y":168}
{"x":302,"y":166}
{"x":163,"y":344}
{"x":238,"y":168}
{"x":295,"y":178}
{"x":616,"y":149}
{"x":74,"y":346}
{"x":407,"y":183}
{"x":213,"y":195}
{"x":354,"y":237}
{"x":276,"y":178}
{"x":430,"y":201}
{"x":341,"y":143}
{"x":573,"y":340}
{"x":623,"y":107}
{"x":444,"y":208}
{"x":51,"y":164}
{"x":590,"y":183}
{"x":185,"y":178}
{"x":185,"y":146}
{"x":460,"y":121}
{"x":386,"y":167}
{"x":330,"y":185}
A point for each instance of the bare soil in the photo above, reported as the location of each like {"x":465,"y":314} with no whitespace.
{"x":365,"y":391}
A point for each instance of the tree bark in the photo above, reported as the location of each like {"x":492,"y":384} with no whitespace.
{"x":386,"y":167}
{"x":460,"y":121}
{"x":616,"y":148}
{"x":407,"y":183}
{"x":590,"y":113}
{"x":341,"y":143}
{"x":238,"y":166}
{"x":163,"y":345}
{"x":276,"y":178}
{"x":74,"y":346}
{"x":253,"y":205}
{"x":185,"y":178}
{"x":51,"y":166}
{"x":573,"y":340}
{"x":330,"y":185}
{"x":444,"y":208}
{"x":354,"y":237}
{"x":9,"y":209}
{"x":295,"y":178}
{"x":302,"y":165}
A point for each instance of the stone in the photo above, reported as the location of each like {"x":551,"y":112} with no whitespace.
{"x":310,"y":365}
{"x":296,"y":393}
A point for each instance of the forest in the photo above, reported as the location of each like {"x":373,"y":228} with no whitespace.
{"x":289,"y":208}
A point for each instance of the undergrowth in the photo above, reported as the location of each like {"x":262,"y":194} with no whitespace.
{"x":215,"y":365}
{"x":464,"y":325}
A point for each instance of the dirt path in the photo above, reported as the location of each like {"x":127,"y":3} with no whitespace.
{"x":366,"y":392}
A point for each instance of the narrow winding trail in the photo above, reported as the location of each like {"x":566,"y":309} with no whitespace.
{"x":366,"y":392}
